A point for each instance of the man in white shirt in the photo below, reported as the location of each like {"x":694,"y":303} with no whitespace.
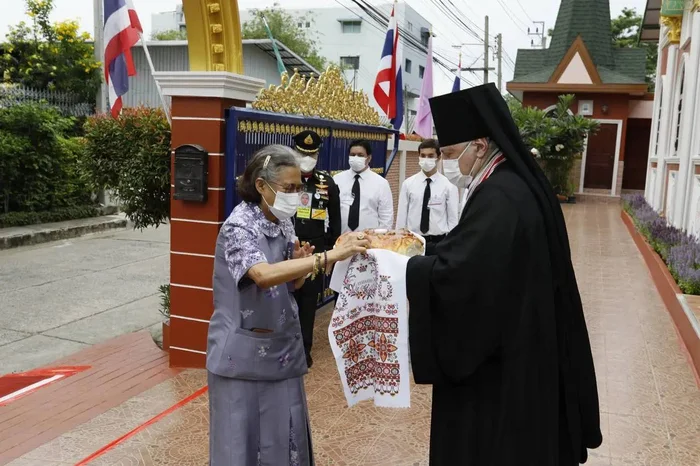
{"x":365,"y":197}
{"x":428,"y":202}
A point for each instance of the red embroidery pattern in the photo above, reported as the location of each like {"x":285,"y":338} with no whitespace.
{"x":367,"y":333}
{"x":369,"y":350}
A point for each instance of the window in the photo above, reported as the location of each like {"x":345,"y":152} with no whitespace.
{"x":410,"y":26}
{"x":352,"y":27}
{"x":308,"y":24}
{"x":408,"y":65}
{"x":680,"y":111}
{"x":658,"y":123}
{"x":421,"y":71}
{"x":350,"y":63}
{"x":300,"y":24}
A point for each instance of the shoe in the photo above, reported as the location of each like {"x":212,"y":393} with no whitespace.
{"x":309,"y":361}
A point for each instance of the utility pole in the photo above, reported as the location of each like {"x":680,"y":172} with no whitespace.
{"x":499,"y":52}
{"x":486,"y":51}
{"x":98,"y":13}
{"x":542,"y":35}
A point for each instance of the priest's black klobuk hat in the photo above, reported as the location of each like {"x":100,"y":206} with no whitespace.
{"x":457,"y":117}
{"x":307,"y":142}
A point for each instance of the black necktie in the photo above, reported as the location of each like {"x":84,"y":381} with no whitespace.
{"x":425,"y":214}
{"x":354,"y":217}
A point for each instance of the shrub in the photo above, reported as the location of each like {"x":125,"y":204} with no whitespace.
{"x":131,"y":156}
{"x":20,"y":219}
{"x":558,"y":138}
{"x":39,"y":166}
{"x":680,"y":251}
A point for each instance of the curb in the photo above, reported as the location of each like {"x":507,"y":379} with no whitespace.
{"x":671,"y":296}
{"x":37,"y":234}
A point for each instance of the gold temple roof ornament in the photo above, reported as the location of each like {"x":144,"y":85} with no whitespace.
{"x":327,"y":97}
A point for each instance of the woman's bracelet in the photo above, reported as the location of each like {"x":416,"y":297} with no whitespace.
{"x":325,"y":262}
{"x":317,"y":266}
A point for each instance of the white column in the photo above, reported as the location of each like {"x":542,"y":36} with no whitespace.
{"x":402,"y":167}
{"x":666,"y":130}
{"x":658,"y":97}
{"x":689,"y":137}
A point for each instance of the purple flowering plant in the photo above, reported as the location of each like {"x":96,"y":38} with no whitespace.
{"x":679,"y":250}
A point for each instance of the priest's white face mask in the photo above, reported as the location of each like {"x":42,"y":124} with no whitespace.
{"x":468,"y":160}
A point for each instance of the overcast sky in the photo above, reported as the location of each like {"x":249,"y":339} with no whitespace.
{"x":509,"y":17}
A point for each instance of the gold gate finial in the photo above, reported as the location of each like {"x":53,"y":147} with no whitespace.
{"x":326,"y":97}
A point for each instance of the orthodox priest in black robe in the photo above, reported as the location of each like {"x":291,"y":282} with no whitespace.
{"x":496,"y":323}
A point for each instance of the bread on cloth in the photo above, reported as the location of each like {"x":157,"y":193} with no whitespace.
{"x":401,"y":241}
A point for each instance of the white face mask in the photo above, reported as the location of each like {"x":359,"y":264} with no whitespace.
{"x":307,"y":163}
{"x":451,"y":170}
{"x":427,"y":165}
{"x":357,"y":163}
{"x":285,"y":205}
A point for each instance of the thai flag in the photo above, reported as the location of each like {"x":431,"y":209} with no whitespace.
{"x":122,"y":29}
{"x":388,"y":86}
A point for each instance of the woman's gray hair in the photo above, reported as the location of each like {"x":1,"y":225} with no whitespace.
{"x":266,"y":164}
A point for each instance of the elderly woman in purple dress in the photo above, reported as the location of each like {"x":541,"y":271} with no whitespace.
{"x":255,"y":354}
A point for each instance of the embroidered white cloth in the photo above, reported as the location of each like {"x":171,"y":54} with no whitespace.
{"x":369,"y":328}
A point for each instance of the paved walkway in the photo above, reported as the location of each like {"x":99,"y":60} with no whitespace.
{"x":57,"y":298}
{"x":649,"y":399}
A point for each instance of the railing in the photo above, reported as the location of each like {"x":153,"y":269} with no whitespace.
{"x":65,"y":102}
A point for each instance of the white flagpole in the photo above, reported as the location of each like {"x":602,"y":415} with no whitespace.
{"x":166,"y":109}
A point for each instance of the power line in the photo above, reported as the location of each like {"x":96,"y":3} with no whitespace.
{"x":512,"y":17}
{"x":524,"y":11}
{"x":409,"y":40}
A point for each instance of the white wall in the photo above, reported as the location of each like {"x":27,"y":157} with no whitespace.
{"x":173,"y":56}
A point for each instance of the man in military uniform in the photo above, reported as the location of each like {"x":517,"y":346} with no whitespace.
{"x":317,"y":222}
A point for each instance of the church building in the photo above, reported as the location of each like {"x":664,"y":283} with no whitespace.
{"x":610,"y":86}
{"x":673,"y":180}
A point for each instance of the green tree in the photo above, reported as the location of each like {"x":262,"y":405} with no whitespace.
{"x":172,"y":34}
{"x":285,"y":28}
{"x":625,"y":33}
{"x":52,"y":56}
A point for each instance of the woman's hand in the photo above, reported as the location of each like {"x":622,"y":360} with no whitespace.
{"x":302,"y":251}
{"x":354,"y":244}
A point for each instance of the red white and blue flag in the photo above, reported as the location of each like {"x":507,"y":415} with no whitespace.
{"x":122,"y":30}
{"x":388,"y":85}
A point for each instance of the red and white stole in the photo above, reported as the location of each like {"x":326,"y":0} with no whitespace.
{"x":484,"y":175}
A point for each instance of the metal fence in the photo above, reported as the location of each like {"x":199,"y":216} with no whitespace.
{"x":65,"y":102}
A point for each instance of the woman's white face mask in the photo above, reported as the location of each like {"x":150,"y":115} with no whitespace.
{"x":285,"y":205}
{"x":451,"y":170}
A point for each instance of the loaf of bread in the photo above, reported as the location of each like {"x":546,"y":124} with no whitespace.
{"x":400,"y":241}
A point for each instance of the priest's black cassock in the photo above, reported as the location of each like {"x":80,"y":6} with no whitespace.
{"x":496,"y":323}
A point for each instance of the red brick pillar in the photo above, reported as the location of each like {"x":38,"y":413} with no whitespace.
{"x":199,"y":102}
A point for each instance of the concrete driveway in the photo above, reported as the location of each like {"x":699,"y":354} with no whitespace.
{"x":57,"y":298}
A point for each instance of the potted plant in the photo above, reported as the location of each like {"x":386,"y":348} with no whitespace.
{"x":557,"y":138}
{"x":164,"y":291}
